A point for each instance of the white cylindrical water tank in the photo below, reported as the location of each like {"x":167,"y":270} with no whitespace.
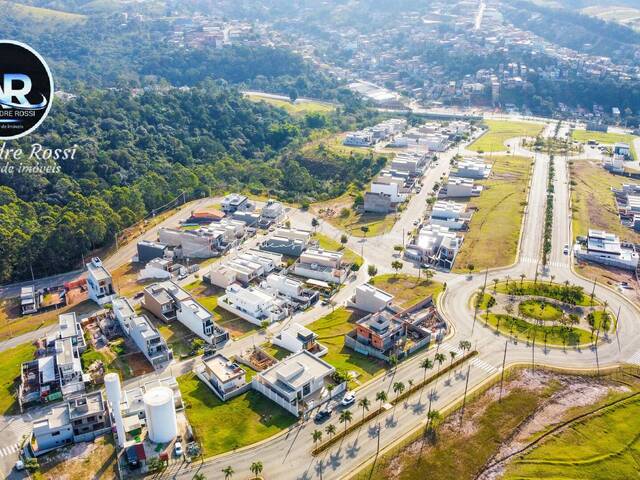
{"x":161,"y":414}
{"x":112,"y":385}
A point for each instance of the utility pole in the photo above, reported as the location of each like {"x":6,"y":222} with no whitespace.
{"x":378,"y":448}
{"x":464,"y":398}
{"x":486,"y":274}
{"x":504,"y":360}
{"x":618,"y":325}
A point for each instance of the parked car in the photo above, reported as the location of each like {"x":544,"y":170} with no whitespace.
{"x":348,"y":399}
{"x":19,"y":466}
{"x":565,"y":250}
{"x":177,"y":449}
{"x":323,"y":415}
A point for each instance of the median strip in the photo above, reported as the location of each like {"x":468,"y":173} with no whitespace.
{"x":406,"y":394}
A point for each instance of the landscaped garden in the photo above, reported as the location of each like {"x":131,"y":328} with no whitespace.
{"x":224,"y":426}
{"x":544,"y":312}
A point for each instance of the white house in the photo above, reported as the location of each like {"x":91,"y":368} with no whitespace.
{"x":449,"y":214}
{"x":271,"y":213}
{"x":296,"y":379}
{"x":99,"y":282}
{"x":295,"y":338}
{"x":148,"y":339}
{"x":457,"y":187}
{"x":362,"y":138}
{"x":472,"y":168}
{"x":605,"y":248}
{"x":391,"y":186}
{"x":320,"y":264}
{"x":252,"y":304}
{"x":370,"y":299}
{"x":226,"y":378}
{"x":291,"y":289}
{"x":436,"y":245}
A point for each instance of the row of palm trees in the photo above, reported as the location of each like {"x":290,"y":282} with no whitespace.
{"x":228,"y":472}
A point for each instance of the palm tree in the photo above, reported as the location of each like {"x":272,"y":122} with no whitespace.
{"x":228,"y":473}
{"x":452,"y":354}
{"x":330,"y":387}
{"x":522,"y":277}
{"x":507,"y":281}
{"x":316,"y":435}
{"x":381,"y":397}
{"x":330,"y":429}
{"x":440,"y":358}
{"x":256,"y":468}
{"x":398,"y":388}
{"x":397,"y":266}
{"x":551,"y":279}
{"x":426,"y":365}
{"x":364,"y":403}
{"x":495,"y":285}
{"x":345,"y":417}
{"x":464,"y":345}
{"x":410,"y":383}
{"x":428,"y":275}
{"x":432,"y":417}
{"x":200,"y":476}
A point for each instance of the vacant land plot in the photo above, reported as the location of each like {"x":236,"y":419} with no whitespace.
{"x":407,"y":290}
{"x":13,"y":324}
{"x":299,"y":107}
{"x":340,"y":213}
{"x":601,"y":447}
{"x":10,"y":362}
{"x":224,"y":426}
{"x":96,"y":459}
{"x":593,"y":203}
{"x":331,"y":330}
{"x":494,"y":230}
{"x":502,"y":130}
{"x":328,"y":243}
{"x":532,"y":403}
{"x":607,"y":138}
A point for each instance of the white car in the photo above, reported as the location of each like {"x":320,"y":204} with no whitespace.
{"x":177,"y":449}
{"x":348,"y":399}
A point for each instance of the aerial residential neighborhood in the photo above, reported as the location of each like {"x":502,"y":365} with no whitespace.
{"x":320,"y":240}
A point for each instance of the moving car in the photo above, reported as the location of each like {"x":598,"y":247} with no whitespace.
{"x":348,"y":399}
{"x":323,"y":414}
{"x":565,"y":250}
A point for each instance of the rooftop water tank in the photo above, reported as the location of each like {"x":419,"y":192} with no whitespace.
{"x":160,"y":414}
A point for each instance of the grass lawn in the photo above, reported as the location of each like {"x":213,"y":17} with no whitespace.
{"x":275,"y":351}
{"x":407,"y":289}
{"x":601,"y":447}
{"x":328,"y":243}
{"x":593,"y":203}
{"x":208,"y":296}
{"x":10,"y":362}
{"x":502,"y":130}
{"x":331,"y":330}
{"x":548,"y":334}
{"x":300,"y":107}
{"x":539,"y":310}
{"x":13,"y":324}
{"x":607,"y":138}
{"x":542,"y":289}
{"x":483,"y":303}
{"x":456,"y":455}
{"x":494,"y":230}
{"x":223,"y":426}
{"x":352,"y":223}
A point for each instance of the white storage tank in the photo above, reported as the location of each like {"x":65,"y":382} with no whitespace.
{"x":112,"y":385}
{"x":160,"y":413}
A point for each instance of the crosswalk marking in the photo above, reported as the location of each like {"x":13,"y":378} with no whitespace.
{"x":529,"y":259}
{"x":476,"y":362}
{"x":11,"y":449}
{"x":635,"y":358}
{"x":536,"y":260}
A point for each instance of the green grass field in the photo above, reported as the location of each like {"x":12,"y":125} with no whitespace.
{"x":40,"y":15}
{"x":494,"y":230}
{"x":407,"y":289}
{"x":602,"y":447}
{"x":543,"y":334}
{"x":299,"y":108}
{"x":607,"y":138}
{"x":502,"y":130}
{"x":328,"y":243}
{"x":539,"y":310}
{"x":10,"y":362}
{"x":593,"y":203}
{"x":223,"y":426}
{"x":331,"y":330}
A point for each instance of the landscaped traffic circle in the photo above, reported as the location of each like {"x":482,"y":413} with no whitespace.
{"x":544,"y":312}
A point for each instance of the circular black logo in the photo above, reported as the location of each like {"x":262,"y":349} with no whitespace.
{"x":26,"y":89}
